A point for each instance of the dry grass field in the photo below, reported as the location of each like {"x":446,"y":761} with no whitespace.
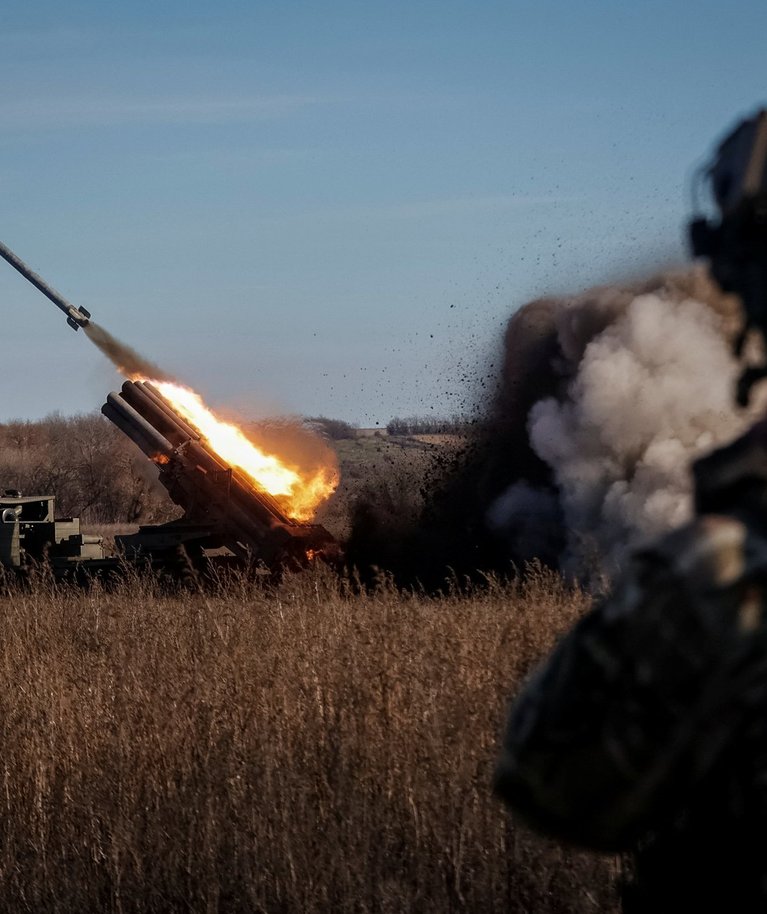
{"x":303,"y":747}
{"x":300,"y":747}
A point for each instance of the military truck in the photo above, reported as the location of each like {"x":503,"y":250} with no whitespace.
{"x":30,"y":533}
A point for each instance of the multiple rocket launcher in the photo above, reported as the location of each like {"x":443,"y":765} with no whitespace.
{"x":225,"y":513}
{"x":223,"y":509}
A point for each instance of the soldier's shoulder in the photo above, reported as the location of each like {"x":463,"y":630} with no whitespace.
{"x":715,"y":550}
{"x":711,"y":553}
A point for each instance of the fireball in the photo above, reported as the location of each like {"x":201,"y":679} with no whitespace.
{"x":299,"y":491}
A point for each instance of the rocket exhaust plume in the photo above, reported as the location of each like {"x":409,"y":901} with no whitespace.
{"x":126,"y":360}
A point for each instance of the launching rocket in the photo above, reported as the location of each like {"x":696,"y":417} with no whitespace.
{"x":76,"y":317}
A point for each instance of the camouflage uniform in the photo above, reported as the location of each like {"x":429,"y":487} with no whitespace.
{"x":646,"y":729}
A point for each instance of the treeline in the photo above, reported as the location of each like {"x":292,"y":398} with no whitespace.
{"x":93,"y":469}
{"x":430,"y":425}
{"x":335,"y":429}
{"x":338,"y":429}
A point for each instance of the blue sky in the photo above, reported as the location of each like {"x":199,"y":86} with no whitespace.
{"x":333,"y":207}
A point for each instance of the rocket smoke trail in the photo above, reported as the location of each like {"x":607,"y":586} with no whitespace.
{"x":126,"y":360}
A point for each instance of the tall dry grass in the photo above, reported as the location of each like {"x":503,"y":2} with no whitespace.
{"x":298,"y":748}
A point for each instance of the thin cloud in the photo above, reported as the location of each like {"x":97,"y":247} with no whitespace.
{"x":51,"y":113}
{"x":230,"y":158}
{"x":49,"y":41}
{"x":424,"y":209}
{"x":457,"y":205}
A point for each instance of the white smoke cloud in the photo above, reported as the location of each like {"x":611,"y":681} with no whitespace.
{"x":651,"y":380}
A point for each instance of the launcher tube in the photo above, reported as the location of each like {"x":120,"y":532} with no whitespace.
{"x":145,"y":444}
{"x":137,"y":422}
{"x":176,"y":431}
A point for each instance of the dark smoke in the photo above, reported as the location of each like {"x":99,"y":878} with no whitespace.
{"x":126,"y":360}
{"x":603,"y":400}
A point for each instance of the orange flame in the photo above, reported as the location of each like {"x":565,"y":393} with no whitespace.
{"x":299,"y":492}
